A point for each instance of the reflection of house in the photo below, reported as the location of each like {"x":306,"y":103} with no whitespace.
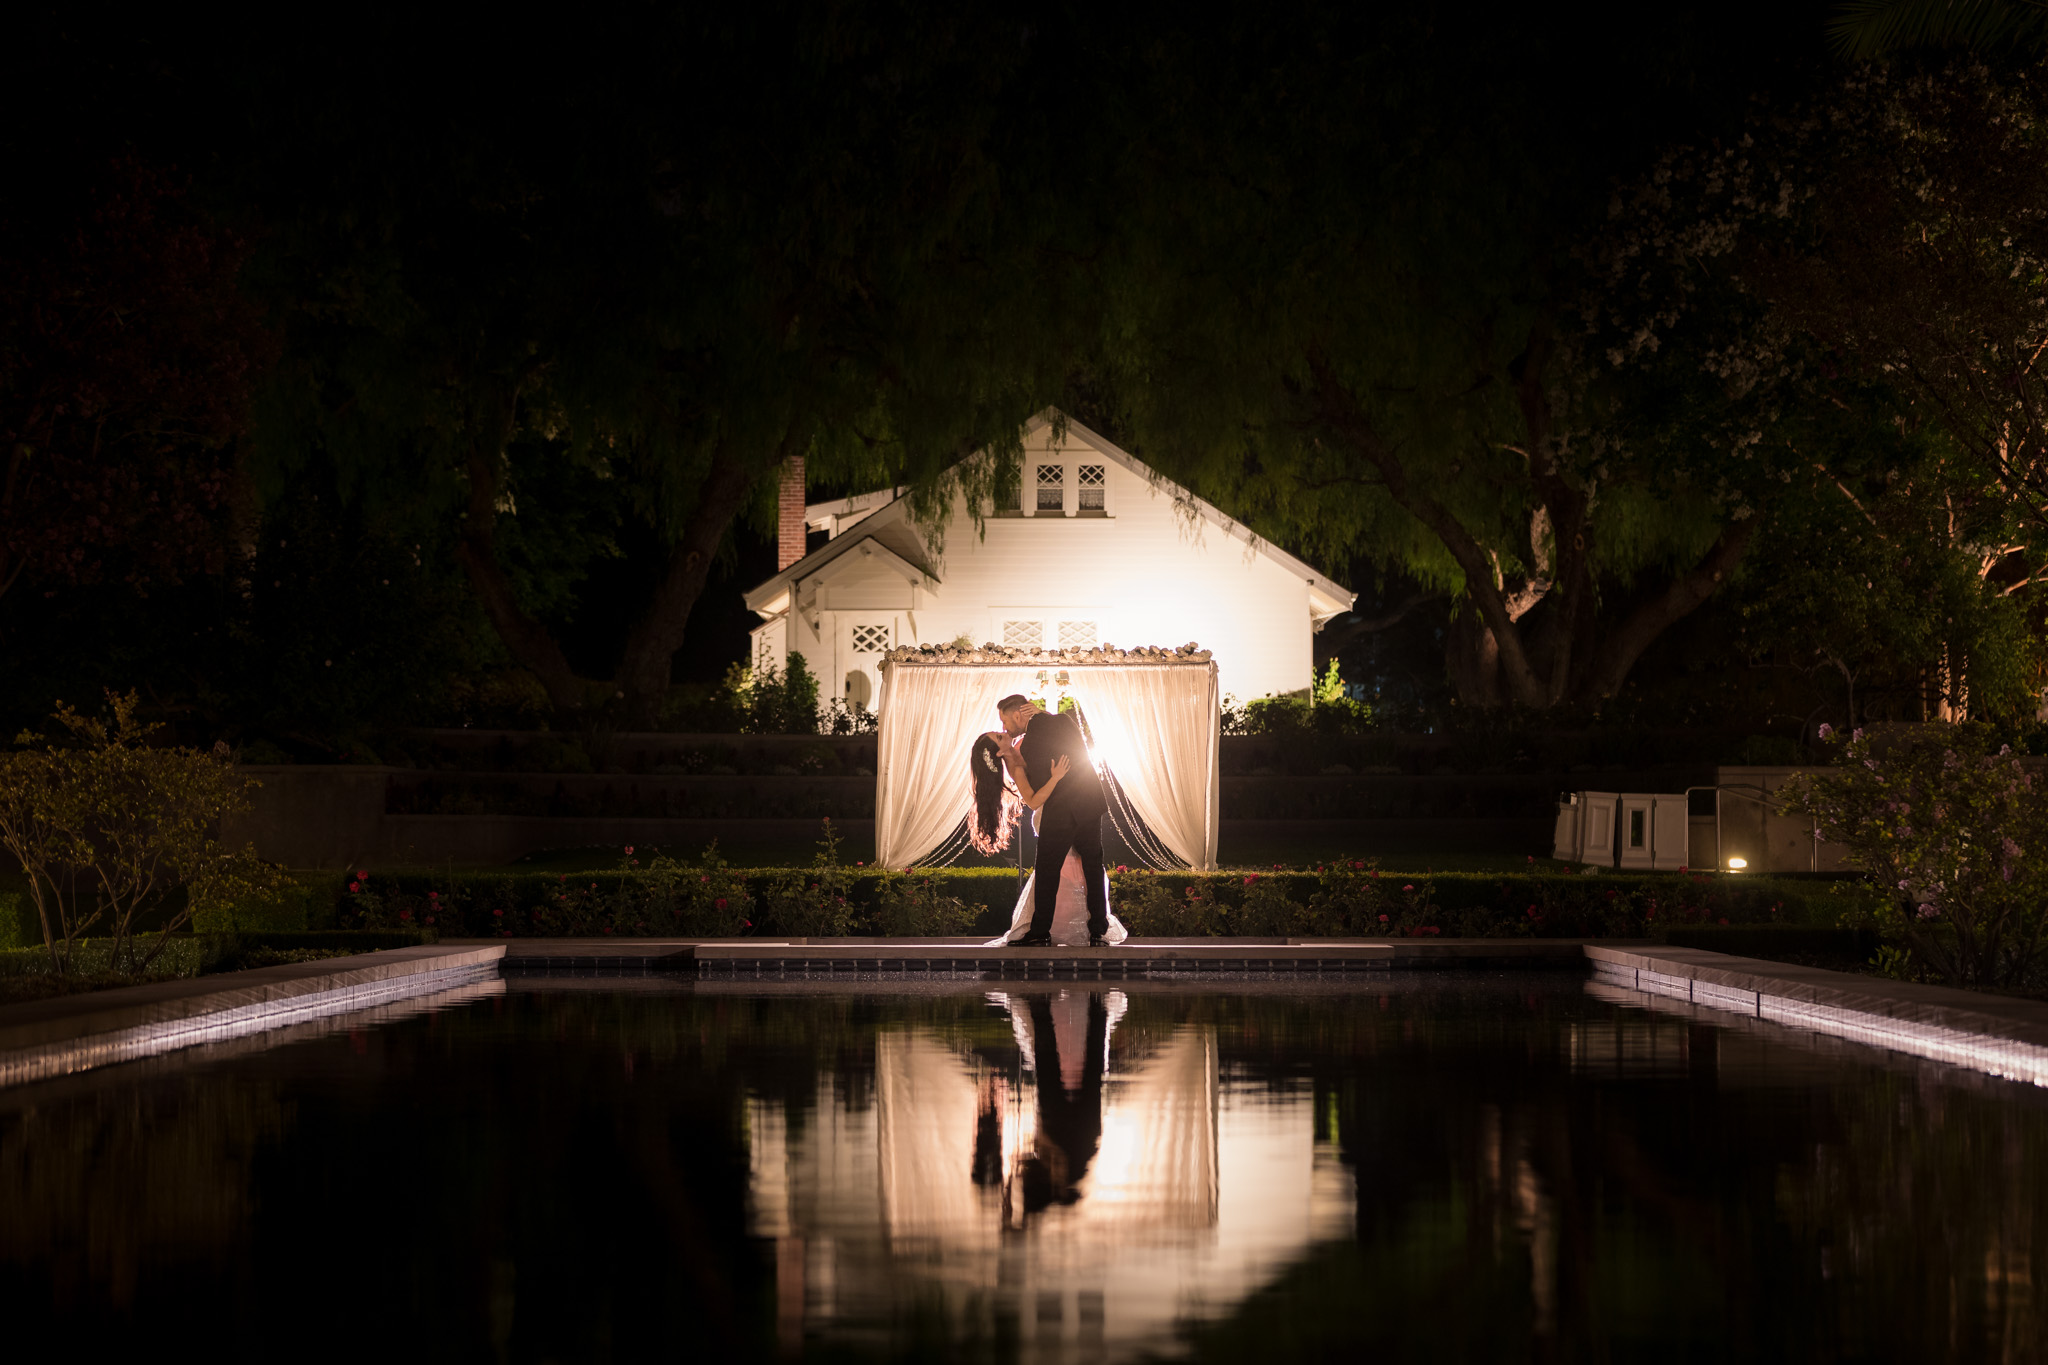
{"x":1099,"y":550}
{"x":1193,"y":1199}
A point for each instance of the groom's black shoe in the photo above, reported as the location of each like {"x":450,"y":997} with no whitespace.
{"x":1032,"y":941}
{"x":1097,"y":941}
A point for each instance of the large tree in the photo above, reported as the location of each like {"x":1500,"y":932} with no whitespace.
{"x":127,"y":356}
{"x":715,"y":247}
{"x":1373,"y":298}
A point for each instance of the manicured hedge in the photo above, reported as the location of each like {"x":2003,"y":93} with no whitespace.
{"x":1780,"y":942}
{"x":1350,"y":898}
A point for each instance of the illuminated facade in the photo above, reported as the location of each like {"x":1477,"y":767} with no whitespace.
{"x":1098,"y":550}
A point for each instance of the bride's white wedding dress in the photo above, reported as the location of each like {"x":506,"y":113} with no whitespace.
{"x":1070,"y":910}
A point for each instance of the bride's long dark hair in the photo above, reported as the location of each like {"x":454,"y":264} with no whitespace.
{"x":994,"y":812}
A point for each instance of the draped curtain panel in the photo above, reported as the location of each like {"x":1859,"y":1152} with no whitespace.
{"x":1154,"y":726}
{"x":930,"y":716}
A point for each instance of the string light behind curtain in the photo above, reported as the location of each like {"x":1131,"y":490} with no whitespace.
{"x":1152,"y":723}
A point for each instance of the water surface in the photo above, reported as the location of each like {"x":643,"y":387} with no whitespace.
{"x":1488,"y":1167}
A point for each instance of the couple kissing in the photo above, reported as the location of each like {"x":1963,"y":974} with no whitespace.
{"x":1038,"y":762}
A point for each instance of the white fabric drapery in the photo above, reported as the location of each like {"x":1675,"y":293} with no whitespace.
{"x":930,"y":717}
{"x":1154,"y":725}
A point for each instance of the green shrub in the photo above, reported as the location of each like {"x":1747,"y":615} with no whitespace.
{"x":915,"y":905}
{"x":18,"y":928}
{"x":1955,"y":836}
{"x":180,"y":955}
{"x":707,"y":898}
{"x":285,"y":909}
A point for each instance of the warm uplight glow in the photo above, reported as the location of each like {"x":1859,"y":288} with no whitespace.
{"x":1737,"y":864}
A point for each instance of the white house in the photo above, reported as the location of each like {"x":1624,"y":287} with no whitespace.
{"x":1102,"y":550}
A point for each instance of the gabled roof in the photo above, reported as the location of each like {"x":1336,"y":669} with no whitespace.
{"x":862,"y":537}
{"x":890,"y":522}
{"x":1319,"y":585}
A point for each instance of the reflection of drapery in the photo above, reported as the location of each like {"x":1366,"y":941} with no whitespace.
{"x":925,"y":1098}
{"x":1154,"y":726}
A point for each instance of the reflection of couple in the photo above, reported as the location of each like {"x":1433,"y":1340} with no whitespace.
{"x":1065,"y":1041}
{"x":1045,"y":760}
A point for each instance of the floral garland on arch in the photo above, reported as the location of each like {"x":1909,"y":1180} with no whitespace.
{"x":1190,"y":653}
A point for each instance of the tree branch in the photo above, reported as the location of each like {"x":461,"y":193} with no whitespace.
{"x":1623,"y":646}
{"x":1340,"y":414}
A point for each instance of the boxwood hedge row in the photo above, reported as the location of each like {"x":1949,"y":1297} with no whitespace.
{"x":1355,"y":898}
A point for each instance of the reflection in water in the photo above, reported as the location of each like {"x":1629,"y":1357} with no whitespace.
{"x":1457,"y":1167}
{"x":1079,"y":1189}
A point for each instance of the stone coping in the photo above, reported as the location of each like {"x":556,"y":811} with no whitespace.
{"x":71,"y":1033}
{"x":2000,"y":1035}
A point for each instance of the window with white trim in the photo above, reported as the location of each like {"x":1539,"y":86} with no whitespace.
{"x":1079,"y":635}
{"x":870,"y":639}
{"x":1052,"y":488}
{"x":1024,"y":634}
{"x":1091,"y":478}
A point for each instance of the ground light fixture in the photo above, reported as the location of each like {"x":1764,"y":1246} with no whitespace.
{"x":1737,"y":864}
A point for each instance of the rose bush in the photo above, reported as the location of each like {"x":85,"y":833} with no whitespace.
{"x":1954,"y":835}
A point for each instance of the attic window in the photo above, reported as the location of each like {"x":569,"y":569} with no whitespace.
{"x":870,"y":639}
{"x":1091,"y":480}
{"x":1078,"y":635}
{"x":1024,"y":634}
{"x":1052,"y":488}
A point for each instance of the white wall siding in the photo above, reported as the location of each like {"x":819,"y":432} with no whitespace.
{"x":1151,"y":574}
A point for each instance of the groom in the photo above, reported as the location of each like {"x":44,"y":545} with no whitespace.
{"x":1071,"y":819}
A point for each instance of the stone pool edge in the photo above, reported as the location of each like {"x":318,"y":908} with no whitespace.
{"x":2000,"y":1035}
{"x":49,"y":1038}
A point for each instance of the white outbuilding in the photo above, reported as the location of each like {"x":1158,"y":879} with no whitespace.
{"x":1101,"y":550}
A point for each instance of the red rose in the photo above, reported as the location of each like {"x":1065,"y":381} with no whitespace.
{"x":1383,"y":919}
{"x":1409,"y":887}
{"x":499,"y":913}
{"x":355,"y":886}
{"x":433,"y":895}
{"x":1249,"y":880}
{"x":629,"y":850}
{"x":720,"y":902}
{"x":607,"y":928}
{"x":405,"y":914}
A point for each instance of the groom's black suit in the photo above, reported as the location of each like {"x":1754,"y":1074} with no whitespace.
{"x":1070,"y":819}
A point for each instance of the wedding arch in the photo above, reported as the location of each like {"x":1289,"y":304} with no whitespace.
{"x":1151,"y":718}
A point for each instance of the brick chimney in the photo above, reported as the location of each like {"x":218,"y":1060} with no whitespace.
{"x":789,"y":524}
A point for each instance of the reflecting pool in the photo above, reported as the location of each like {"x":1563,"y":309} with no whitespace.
{"x":1491,"y":1167}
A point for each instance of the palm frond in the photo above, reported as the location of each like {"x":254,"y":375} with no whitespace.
{"x":1864,"y":29}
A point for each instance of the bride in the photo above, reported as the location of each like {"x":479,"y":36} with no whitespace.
{"x":992,"y":819}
